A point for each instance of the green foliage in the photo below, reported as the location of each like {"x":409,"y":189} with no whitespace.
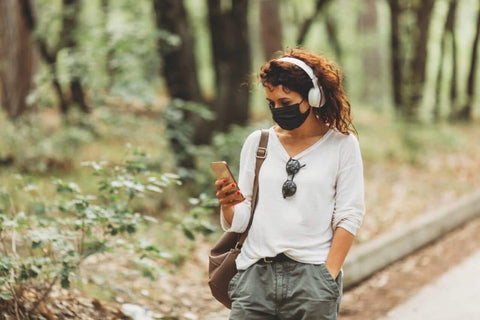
{"x":196,"y":220}
{"x":35,"y":147}
{"x":178,"y":114}
{"x":47,"y":244}
{"x":115,"y":53}
{"x":403,"y":142}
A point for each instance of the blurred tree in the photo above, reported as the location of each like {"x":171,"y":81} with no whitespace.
{"x":466,"y":112}
{"x":179,"y":68}
{"x":410,"y":25}
{"x":370,"y":50}
{"x":333,"y":38}
{"x":231,"y":60}
{"x":448,"y":33}
{"x":179,"y":65}
{"x":271,"y":27}
{"x":320,"y":6}
{"x":16,"y":58}
{"x":70,"y":12}
{"x":110,"y":70}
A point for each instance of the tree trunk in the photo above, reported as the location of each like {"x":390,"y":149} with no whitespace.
{"x":231,"y":56}
{"x":371,"y":56}
{"x":409,"y":83}
{"x":307,"y":24}
{"x":332,"y":32}
{"x":450,"y":25}
{"x":231,"y":60}
{"x":271,"y":27}
{"x":50,"y":56}
{"x":71,"y":11}
{"x":418,"y":63}
{"x":396,"y":58}
{"x":179,"y":66}
{"x":447,"y":31}
{"x":109,"y":69}
{"x":179,"y":70}
{"x":465,"y":113}
{"x":16,"y":58}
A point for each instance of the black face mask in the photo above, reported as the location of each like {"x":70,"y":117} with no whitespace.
{"x":289,"y":117}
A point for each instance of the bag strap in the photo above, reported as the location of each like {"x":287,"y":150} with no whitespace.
{"x":261,"y":155}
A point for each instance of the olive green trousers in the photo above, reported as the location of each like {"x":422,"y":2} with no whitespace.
{"x":286,"y":290}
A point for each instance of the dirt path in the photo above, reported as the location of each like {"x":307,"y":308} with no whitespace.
{"x":374,"y":297}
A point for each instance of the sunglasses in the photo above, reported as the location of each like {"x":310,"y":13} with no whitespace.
{"x":289,"y":187}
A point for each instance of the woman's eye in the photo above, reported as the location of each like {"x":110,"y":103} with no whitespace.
{"x":271,"y":105}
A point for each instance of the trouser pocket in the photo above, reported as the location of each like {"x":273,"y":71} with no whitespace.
{"x":334,"y":286}
{"x":232,"y":284}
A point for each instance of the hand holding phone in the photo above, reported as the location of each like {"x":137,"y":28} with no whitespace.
{"x":228,"y":186}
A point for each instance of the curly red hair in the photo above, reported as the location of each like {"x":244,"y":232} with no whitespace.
{"x":336,"y":111}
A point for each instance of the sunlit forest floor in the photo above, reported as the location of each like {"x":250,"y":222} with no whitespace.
{"x":409,"y":169}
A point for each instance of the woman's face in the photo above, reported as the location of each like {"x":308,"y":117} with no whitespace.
{"x":279,"y":96}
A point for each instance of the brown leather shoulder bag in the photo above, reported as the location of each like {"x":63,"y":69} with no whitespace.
{"x":221,"y":266}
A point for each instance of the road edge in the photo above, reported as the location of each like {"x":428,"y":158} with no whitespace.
{"x":367,"y":258}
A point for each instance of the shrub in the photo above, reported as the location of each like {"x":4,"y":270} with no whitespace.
{"x":45,"y":244}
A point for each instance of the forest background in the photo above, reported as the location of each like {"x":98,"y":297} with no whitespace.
{"x":113,"y":110}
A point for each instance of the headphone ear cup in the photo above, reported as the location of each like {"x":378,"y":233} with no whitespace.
{"x":314,"y":97}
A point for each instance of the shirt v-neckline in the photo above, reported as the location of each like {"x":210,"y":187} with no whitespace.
{"x":302,"y":153}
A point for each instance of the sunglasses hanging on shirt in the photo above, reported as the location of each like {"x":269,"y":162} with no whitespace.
{"x":289,"y":187}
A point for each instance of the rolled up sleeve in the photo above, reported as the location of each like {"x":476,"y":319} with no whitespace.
{"x":349,"y":196}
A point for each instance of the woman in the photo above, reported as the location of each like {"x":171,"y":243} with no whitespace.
{"x":310,"y":201}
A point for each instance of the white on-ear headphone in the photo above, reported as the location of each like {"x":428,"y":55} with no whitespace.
{"x":316,"y":98}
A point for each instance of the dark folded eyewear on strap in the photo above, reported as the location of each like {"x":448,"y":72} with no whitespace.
{"x":289,"y":187}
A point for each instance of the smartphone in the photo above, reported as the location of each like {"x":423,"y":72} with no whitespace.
{"x":222,"y":171}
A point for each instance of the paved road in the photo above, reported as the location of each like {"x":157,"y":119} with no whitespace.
{"x":453,"y":296}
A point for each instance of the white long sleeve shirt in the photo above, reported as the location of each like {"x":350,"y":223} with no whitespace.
{"x":330,"y":194}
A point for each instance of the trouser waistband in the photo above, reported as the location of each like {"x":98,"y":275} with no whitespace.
{"x":278,"y":258}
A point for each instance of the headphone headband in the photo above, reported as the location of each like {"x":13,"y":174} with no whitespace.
{"x":308,"y":70}
{"x":315,"y":96}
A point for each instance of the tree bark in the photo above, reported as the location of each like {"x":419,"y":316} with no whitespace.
{"x":109,"y":69}
{"x":465,"y":113}
{"x":66,"y":39}
{"x":71,"y":10}
{"x":409,"y":68}
{"x":180,"y":72}
{"x":271,"y":27}
{"x":16,"y":58}
{"x":179,"y":66}
{"x":396,"y":58}
{"x":450,"y":25}
{"x":418,"y":63}
{"x":231,"y":56}
{"x":370,"y":53}
{"x":448,"y":30}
